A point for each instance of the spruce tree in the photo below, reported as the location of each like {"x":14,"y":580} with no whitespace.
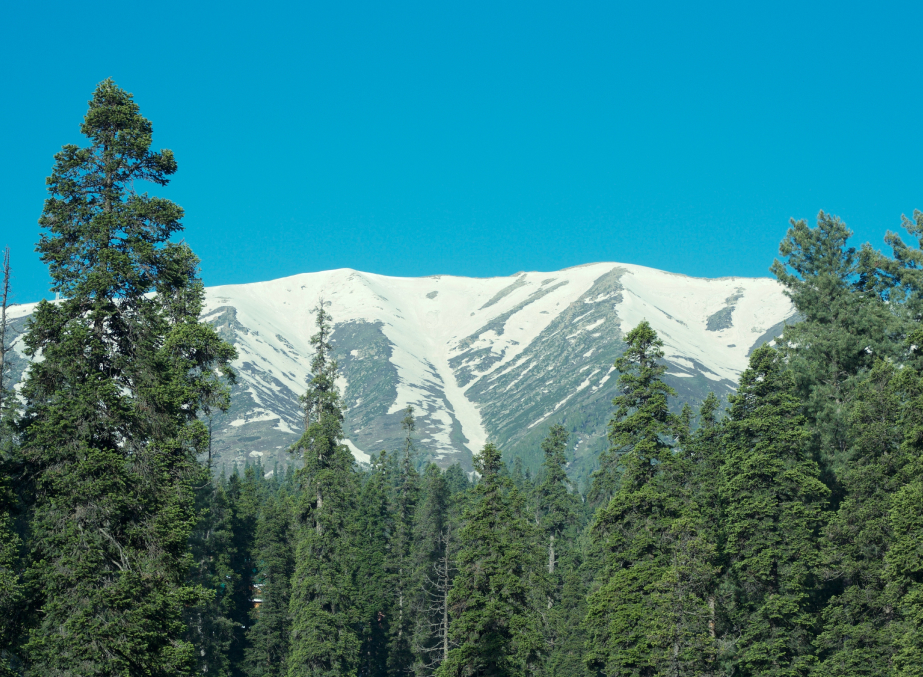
{"x":683,"y":620}
{"x":374,"y":581}
{"x":12,"y":599}
{"x":858,"y":619}
{"x":845,"y":327}
{"x":631,"y":530}
{"x":773,"y":502}
{"x":558,"y":514}
{"x":432,"y":559}
{"x":400,"y":556}
{"x":903,"y":574}
{"x":557,"y":507}
{"x":211,"y":626}
{"x":324,"y":640}
{"x":493,"y":622}
{"x":270,"y":627}
{"x":641,"y":418}
{"x":110,"y":429}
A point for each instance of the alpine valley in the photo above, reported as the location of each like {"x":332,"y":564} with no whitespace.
{"x":479,"y":359}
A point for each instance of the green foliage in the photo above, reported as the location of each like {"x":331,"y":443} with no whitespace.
{"x":432,"y":561}
{"x":374,"y":580}
{"x":773,"y":503}
{"x":558,"y":514}
{"x":400,"y":564}
{"x":858,"y":619}
{"x":641,"y":417}
{"x":210,"y":625}
{"x":903,"y":573}
{"x":110,"y":429}
{"x":493,"y":624}
{"x":631,"y":530}
{"x":323,"y":605}
{"x":274,"y":564}
{"x":844,"y":330}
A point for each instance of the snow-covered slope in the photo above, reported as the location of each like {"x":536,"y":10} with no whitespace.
{"x":496,"y":358}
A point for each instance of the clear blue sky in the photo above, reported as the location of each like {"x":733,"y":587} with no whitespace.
{"x":481,"y":138}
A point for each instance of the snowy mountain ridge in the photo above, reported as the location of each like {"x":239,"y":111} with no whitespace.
{"x":479,"y":359}
{"x":463,"y":351}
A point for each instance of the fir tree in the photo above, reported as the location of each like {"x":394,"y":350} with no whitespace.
{"x":244,"y":502}
{"x":110,"y":429}
{"x":845,"y":328}
{"x":557,"y":506}
{"x":683,"y":619}
{"x":493,"y":622}
{"x":558,"y":517}
{"x":773,"y":504}
{"x":432,"y":560}
{"x":631,"y":530}
{"x":268,"y":636}
{"x":12,"y":599}
{"x":641,"y":415}
{"x":374,"y":582}
{"x":323,"y":605}
{"x":210,"y":625}
{"x":856,"y":636}
{"x":903,"y":574}
{"x":400,"y":556}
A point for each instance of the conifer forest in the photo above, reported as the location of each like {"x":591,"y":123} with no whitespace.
{"x":776,"y":532}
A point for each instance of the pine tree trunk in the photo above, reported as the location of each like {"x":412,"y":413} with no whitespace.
{"x":551,"y":554}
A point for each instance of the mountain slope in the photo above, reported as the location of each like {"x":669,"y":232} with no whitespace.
{"x":495,"y":358}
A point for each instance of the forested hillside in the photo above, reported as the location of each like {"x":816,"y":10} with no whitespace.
{"x":777,"y":531}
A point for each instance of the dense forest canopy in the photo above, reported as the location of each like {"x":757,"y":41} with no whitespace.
{"x":779,"y":532}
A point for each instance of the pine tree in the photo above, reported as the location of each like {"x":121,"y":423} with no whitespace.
{"x":268,"y":636}
{"x":773,"y":504}
{"x":903,"y":573}
{"x":845,"y":327}
{"x":400,"y":556}
{"x":242,"y":493}
{"x":110,"y":429}
{"x":856,"y":637}
{"x":558,"y":517}
{"x":493,"y":622}
{"x":12,"y":599}
{"x":374,"y":581}
{"x":432,"y":572}
{"x":683,"y":619}
{"x":210,"y":625}
{"x":631,"y":530}
{"x":323,"y":606}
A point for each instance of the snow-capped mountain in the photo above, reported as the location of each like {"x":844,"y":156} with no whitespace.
{"x":479,"y":359}
{"x":495,"y":359}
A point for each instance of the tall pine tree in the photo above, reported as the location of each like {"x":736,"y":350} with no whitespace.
{"x":773,"y":502}
{"x":324,"y":639}
{"x":110,"y":429}
{"x":268,"y":636}
{"x":558,"y":514}
{"x":631,"y":529}
{"x":432,"y":560}
{"x":400,"y":555}
{"x":493,"y":622}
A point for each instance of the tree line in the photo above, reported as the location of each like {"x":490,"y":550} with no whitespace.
{"x":779,"y":532}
